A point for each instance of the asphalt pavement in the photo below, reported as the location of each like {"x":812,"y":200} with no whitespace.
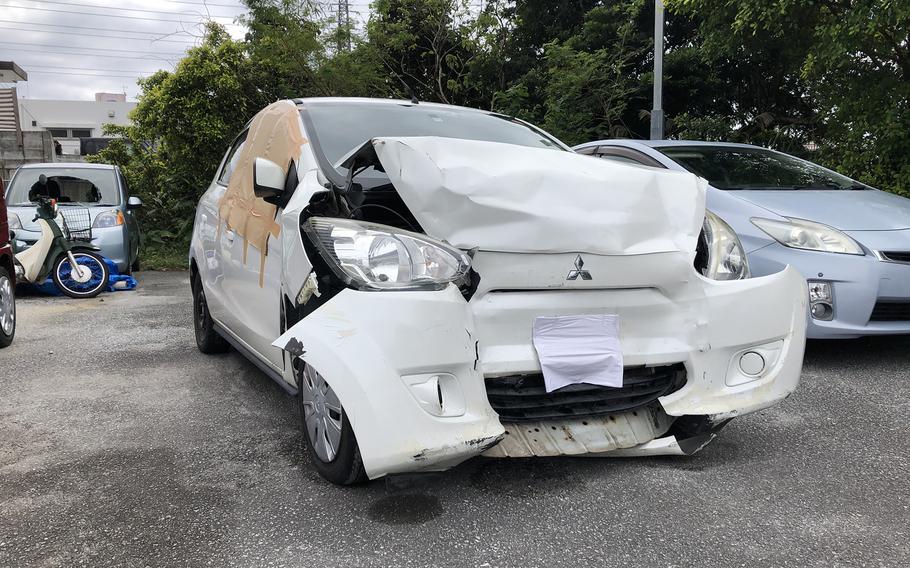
{"x":122,"y":445}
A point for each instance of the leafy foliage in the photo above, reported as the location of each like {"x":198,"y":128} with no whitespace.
{"x":789,"y":74}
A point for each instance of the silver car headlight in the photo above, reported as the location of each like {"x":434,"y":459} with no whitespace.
{"x":369,"y":256}
{"x":726,"y":256}
{"x":14,"y":223}
{"x":807,"y":235}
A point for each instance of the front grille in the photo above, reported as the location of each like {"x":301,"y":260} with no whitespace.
{"x":888,"y":310}
{"x":895,"y":256}
{"x":524,"y":397}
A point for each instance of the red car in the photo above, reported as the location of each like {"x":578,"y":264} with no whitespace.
{"x":7,"y":279}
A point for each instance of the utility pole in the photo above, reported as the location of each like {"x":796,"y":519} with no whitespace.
{"x":343,"y":39}
{"x":657,"y":113}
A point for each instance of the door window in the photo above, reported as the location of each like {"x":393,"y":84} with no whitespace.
{"x":232,"y":158}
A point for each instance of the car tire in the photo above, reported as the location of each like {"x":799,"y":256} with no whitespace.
{"x":7,"y":308}
{"x":343,"y":464}
{"x":135,"y":267}
{"x":207,"y":339}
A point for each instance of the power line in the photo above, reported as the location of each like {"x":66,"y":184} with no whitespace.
{"x":86,"y":48}
{"x":202,"y":4}
{"x":100,"y":15}
{"x":83,"y":74}
{"x":148,"y":39}
{"x":83,"y":5}
{"x":30,"y":67}
{"x":67,"y":26}
{"x":89,"y":54}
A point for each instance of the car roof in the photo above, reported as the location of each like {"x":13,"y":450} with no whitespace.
{"x":633,"y":143}
{"x":397,"y":102}
{"x":52,"y":165}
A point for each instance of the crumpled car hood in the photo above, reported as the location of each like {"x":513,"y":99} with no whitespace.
{"x":504,"y":197}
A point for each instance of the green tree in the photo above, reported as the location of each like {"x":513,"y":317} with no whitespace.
{"x":844,"y":65}
{"x":179,"y":131}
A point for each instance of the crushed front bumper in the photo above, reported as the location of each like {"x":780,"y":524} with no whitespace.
{"x":410,"y":367}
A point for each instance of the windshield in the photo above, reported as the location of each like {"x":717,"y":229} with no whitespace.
{"x":344,"y":126}
{"x":732,"y":168}
{"x":86,"y":186}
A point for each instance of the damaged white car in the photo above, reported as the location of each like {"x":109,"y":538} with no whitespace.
{"x":439,"y":282}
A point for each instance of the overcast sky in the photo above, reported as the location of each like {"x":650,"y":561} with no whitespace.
{"x":72,"y":49}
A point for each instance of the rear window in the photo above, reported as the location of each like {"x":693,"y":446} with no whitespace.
{"x":89,"y":186}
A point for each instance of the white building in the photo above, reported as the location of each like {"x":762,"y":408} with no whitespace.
{"x":68,"y":121}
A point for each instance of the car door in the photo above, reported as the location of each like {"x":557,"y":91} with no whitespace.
{"x":215,"y":239}
{"x":252,"y":250}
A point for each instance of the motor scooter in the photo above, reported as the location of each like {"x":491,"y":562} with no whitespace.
{"x":64,"y":251}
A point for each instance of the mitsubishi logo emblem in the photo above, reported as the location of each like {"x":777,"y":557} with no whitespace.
{"x":579,"y":270}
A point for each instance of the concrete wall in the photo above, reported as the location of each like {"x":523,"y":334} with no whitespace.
{"x":36,"y":147}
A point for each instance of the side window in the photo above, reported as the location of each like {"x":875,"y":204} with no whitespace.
{"x":628,"y":156}
{"x":623,"y":159}
{"x":232,"y":158}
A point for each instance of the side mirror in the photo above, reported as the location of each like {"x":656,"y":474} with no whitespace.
{"x":134,"y":203}
{"x":268,"y":179}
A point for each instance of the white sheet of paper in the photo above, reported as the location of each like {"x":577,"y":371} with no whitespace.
{"x":579,"y":349}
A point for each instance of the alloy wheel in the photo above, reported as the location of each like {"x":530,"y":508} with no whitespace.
{"x":7,"y":306}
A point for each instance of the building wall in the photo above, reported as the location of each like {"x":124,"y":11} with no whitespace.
{"x":71,"y":120}
{"x":35,"y":147}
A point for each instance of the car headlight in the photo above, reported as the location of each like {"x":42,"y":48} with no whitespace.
{"x":806,"y":235}
{"x":14,"y":223}
{"x":369,"y":256}
{"x":107,"y":219}
{"x":726,"y":257}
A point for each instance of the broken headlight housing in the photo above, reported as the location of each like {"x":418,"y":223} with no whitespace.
{"x":725,"y":258}
{"x":368,"y":256}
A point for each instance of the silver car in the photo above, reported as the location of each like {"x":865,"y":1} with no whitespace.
{"x":851,"y":242}
{"x":98,"y":188}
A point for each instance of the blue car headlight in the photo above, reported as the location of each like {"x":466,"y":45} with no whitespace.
{"x":808,"y":235}
{"x":108,"y":219}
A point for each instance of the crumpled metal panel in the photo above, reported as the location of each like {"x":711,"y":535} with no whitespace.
{"x":581,"y":435}
{"x":506,"y":197}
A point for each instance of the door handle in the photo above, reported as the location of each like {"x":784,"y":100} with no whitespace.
{"x":229,"y":235}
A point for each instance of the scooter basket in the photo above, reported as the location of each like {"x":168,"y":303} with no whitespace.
{"x":77,"y":224}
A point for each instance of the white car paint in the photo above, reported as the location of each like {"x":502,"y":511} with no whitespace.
{"x":636,"y":229}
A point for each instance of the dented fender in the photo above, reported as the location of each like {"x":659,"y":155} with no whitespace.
{"x":374,"y":348}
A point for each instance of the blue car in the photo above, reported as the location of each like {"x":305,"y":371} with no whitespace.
{"x":98,"y":189}
{"x":850,"y":241}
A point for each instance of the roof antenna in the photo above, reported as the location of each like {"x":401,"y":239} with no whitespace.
{"x":407,"y":88}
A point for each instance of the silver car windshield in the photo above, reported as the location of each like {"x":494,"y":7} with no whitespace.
{"x":731,"y":168}
{"x":84,"y":186}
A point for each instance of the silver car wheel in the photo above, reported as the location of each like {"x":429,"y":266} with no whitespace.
{"x":321,"y":414}
{"x":7,"y":306}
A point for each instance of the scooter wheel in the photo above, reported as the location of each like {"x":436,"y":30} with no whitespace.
{"x":66,"y":283}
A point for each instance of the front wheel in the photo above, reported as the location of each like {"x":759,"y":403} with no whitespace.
{"x":330,"y":439}
{"x":7,"y":308}
{"x":90,"y":280}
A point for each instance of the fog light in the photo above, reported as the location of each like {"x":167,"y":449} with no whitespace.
{"x":752,"y":363}
{"x":822,"y":310}
{"x":821,"y":299}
